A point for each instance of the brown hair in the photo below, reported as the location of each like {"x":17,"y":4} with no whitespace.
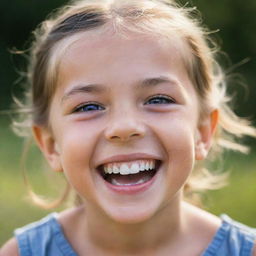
{"x":157,"y":17}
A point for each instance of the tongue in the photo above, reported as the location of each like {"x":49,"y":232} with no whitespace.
{"x":130,"y":179}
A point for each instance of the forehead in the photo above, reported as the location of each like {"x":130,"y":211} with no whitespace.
{"x":107,"y":50}
{"x":107,"y":37}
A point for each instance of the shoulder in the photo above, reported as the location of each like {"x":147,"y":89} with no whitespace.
{"x":202,"y":225}
{"x":30,"y":238}
{"x":238,"y":235}
{"x":42,"y":226}
{"x":10,"y":248}
{"x":226,"y":234}
{"x":201,"y":219}
{"x":239,"y":227}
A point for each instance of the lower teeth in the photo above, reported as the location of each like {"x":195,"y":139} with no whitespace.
{"x":116,"y":183}
{"x":131,"y":179}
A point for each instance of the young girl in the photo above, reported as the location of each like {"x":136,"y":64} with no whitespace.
{"x":126,"y":100}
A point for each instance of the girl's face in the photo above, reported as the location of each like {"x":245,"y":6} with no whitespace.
{"x":125,"y":105}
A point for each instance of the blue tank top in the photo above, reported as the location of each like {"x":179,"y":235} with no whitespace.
{"x":46,"y":238}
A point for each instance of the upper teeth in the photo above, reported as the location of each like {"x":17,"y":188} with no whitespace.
{"x":129,"y":167}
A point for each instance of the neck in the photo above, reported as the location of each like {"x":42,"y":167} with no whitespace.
{"x":160,"y":231}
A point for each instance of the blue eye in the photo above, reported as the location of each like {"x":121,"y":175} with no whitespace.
{"x":160,"y":100}
{"x":88,"y":107}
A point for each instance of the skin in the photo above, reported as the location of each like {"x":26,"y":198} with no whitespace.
{"x":84,"y":139}
{"x":128,"y":117}
{"x":170,"y":131}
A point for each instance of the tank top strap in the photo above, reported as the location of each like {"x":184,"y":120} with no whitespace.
{"x":43,"y":238}
{"x":232,"y":238}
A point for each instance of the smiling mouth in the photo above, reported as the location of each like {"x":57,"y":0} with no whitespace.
{"x":130,"y":173}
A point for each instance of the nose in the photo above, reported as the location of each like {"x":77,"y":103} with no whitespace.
{"x":124,"y":126}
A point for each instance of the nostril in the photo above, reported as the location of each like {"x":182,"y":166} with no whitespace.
{"x":125,"y":136}
{"x":135,"y":135}
{"x":124,"y":131}
{"x":114,"y":137}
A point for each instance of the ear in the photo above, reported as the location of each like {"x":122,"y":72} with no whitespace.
{"x":206,"y":131}
{"x":46,"y":142}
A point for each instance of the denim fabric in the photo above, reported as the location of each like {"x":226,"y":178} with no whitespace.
{"x":232,"y":239}
{"x":46,"y":238}
{"x":43,"y":238}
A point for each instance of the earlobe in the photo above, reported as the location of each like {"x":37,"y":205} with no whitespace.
{"x":206,"y":131}
{"x":200,"y":151}
{"x":46,"y":142}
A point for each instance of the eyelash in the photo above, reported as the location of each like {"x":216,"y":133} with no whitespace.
{"x":167,"y":99}
{"x":82,"y":106}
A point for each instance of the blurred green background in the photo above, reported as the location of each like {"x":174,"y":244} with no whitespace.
{"x":236,"y":22}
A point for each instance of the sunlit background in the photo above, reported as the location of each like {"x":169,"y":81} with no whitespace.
{"x":235,"y":22}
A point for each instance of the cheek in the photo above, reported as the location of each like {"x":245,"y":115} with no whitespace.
{"x":77,"y":143}
{"x":78,"y":146}
{"x":180,"y":147}
{"x":77,"y":139}
{"x":177,"y":137}
{"x":177,"y":132}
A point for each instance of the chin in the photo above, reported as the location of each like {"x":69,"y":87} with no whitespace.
{"x":130,"y":214}
{"x":134,"y":210}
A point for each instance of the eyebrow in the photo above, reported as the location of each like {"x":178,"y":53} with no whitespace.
{"x":84,"y":88}
{"x":99,"y":88}
{"x":151,"y":82}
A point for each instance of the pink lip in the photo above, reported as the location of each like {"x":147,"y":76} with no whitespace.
{"x":128,"y":157}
